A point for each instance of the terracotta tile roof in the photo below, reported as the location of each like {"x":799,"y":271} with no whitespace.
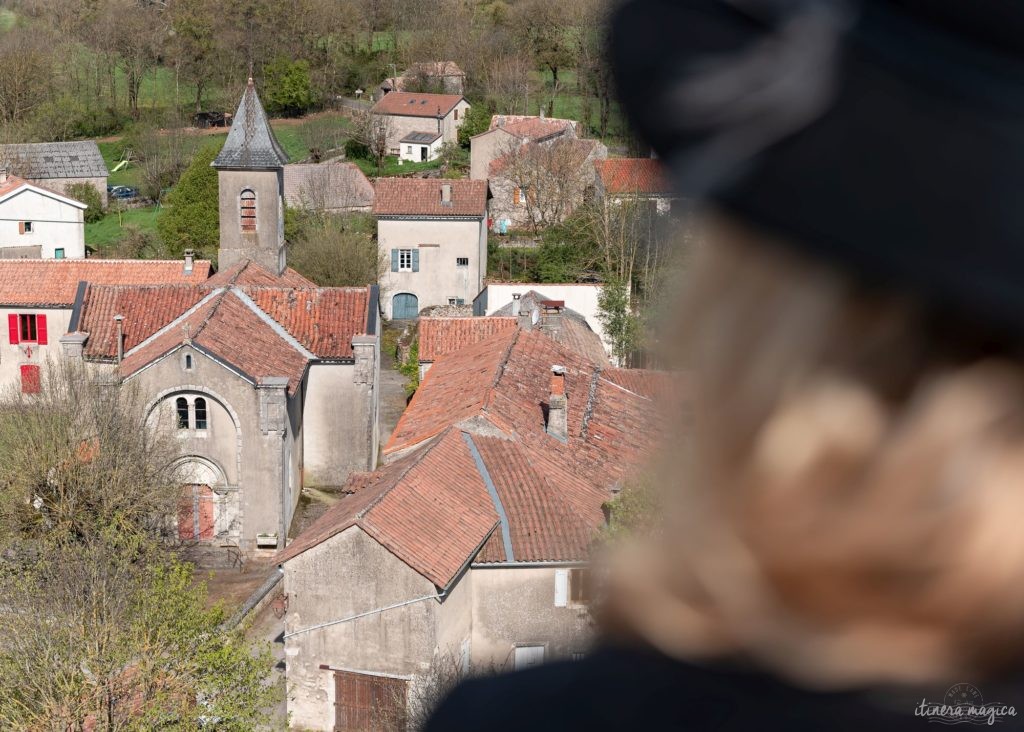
{"x":570,"y":152}
{"x":324,"y":319}
{"x":251,"y":273}
{"x":552,"y":514}
{"x":506,"y":379}
{"x":646,"y":382}
{"x":531,"y":127}
{"x":240,"y":325}
{"x":330,"y":186}
{"x":440,"y":336}
{"x":422,"y":197}
{"x":54,"y":282}
{"x":633,"y":175}
{"x":228,"y":328}
{"x":431,"y":510}
{"x":407,"y":104}
{"x":13,"y":183}
{"x":575,"y":333}
{"x":146,"y":309}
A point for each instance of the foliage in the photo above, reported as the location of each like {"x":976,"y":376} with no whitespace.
{"x":160,"y":156}
{"x":335,"y":250}
{"x":86,"y":193}
{"x":356,"y":150}
{"x":621,"y":325}
{"x":410,"y":368}
{"x":191,"y":220}
{"x":632,"y":511}
{"x":115,"y":635}
{"x":478,"y":119}
{"x":79,"y":460}
{"x":287,"y":89}
{"x":454,"y":160}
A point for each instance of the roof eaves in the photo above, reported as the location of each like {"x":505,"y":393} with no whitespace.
{"x":176,"y":321}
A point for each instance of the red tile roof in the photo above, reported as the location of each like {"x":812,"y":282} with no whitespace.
{"x":13,"y":183}
{"x":54,"y":282}
{"x":407,"y":104}
{"x":633,"y":175}
{"x":251,"y":273}
{"x":422,"y":197}
{"x":567,"y":151}
{"x":240,"y":325}
{"x":431,"y":510}
{"x":531,"y":127}
{"x":440,"y":336}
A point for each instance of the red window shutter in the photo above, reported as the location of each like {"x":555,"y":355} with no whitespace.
{"x":21,"y":227}
{"x":12,"y":329}
{"x":29,"y":379}
{"x":41,"y":330}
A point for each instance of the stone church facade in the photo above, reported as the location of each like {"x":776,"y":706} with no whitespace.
{"x":267,"y":382}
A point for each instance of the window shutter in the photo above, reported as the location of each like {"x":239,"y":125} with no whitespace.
{"x":12,"y":329}
{"x":515,"y":196}
{"x":415,"y":260}
{"x":41,"y":330}
{"x":394,"y":260}
{"x":561,"y":587}
{"x":29,"y":379}
{"x":21,"y":227}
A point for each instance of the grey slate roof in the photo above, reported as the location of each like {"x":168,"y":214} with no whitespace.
{"x":251,"y":144}
{"x":42,"y":160}
{"x":420,"y":137}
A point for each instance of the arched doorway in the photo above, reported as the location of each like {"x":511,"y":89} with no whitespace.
{"x":405,"y":306}
{"x":207,"y":508}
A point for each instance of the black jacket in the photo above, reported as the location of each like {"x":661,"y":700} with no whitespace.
{"x":622,"y":690}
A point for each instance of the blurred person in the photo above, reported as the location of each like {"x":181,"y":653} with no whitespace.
{"x":842,"y":548}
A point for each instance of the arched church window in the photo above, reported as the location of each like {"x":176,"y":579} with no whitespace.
{"x":201,"y":414}
{"x":181,"y":407}
{"x":247,"y":209}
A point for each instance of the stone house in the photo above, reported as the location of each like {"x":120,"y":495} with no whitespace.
{"x":636,"y":179}
{"x":37,"y":223}
{"x":402,"y":113}
{"x":37,"y":300}
{"x":446,"y":76}
{"x":507,"y":131}
{"x":469,"y":547}
{"x":58,"y":165}
{"x":334,"y":186}
{"x":268,"y":382}
{"x":433,"y":234}
{"x":539,"y":184}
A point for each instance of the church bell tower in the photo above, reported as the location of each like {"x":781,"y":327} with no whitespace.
{"x":250,"y":175}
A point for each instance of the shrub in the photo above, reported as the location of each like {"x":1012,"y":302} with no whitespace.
{"x":87,"y":194}
{"x":287,"y":88}
{"x":192,"y":220}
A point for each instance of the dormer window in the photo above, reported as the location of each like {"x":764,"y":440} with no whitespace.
{"x":247,"y":209}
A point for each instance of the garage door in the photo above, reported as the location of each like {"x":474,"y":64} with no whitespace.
{"x":366,"y":703}
{"x":405,"y":306}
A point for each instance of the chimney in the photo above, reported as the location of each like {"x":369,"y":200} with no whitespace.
{"x":527,"y":319}
{"x":119,"y":320}
{"x":515,"y":304}
{"x":446,"y":194}
{"x":552,"y":321}
{"x":558,"y":419}
{"x":190,"y":259}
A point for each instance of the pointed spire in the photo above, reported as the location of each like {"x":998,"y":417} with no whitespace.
{"x":251,"y":144}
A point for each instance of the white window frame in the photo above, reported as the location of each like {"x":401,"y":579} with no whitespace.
{"x":405,"y":260}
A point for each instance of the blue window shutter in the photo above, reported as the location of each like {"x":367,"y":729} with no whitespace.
{"x":394,"y":260}
{"x":415,"y":260}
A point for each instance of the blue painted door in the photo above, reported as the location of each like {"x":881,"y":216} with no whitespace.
{"x":405,"y":306}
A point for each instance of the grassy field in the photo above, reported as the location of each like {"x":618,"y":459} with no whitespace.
{"x":7,"y":19}
{"x":110,"y":230}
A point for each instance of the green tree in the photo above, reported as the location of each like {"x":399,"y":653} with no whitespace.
{"x":287,"y":89}
{"x":334,"y":251}
{"x":632,"y":511}
{"x":117,"y":636}
{"x":191,"y":220}
{"x":87,"y":194}
{"x":478,"y":119}
{"x":621,"y":325}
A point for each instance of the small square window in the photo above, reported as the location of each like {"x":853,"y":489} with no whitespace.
{"x":456,"y":301}
{"x":408,"y":149}
{"x":58,"y":253}
{"x":26,"y":227}
{"x":462,"y":261}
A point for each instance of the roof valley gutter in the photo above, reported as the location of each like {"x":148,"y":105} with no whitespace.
{"x":506,"y":537}
{"x":395,"y":606}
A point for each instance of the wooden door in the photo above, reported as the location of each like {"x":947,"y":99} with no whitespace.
{"x":405,"y":306}
{"x":365,"y":703}
{"x":196,"y":513}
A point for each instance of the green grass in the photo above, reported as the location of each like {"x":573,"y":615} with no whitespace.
{"x":8,"y":18}
{"x":110,"y":229}
{"x":392,"y":168}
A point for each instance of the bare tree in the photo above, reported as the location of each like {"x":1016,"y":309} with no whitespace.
{"x":337,"y":251}
{"x":375,"y":132}
{"x":25,"y":72}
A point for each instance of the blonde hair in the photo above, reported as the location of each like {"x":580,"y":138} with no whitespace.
{"x":851,"y":510}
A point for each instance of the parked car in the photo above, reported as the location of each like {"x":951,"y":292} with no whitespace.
{"x":123,"y":192}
